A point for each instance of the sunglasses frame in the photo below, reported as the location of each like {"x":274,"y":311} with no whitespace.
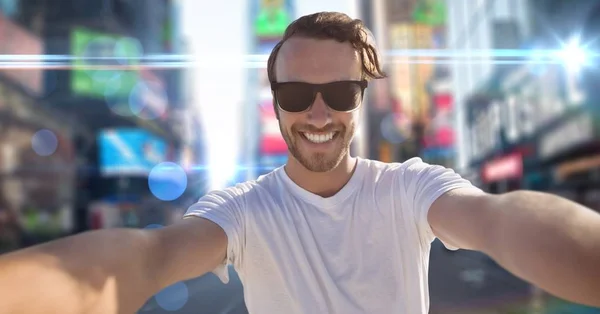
{"x":316,"y":88}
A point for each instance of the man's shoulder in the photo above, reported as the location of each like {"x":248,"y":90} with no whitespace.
{"x":240,"y":189}
{"x":406,"y":173}
{"x":415,"y":163}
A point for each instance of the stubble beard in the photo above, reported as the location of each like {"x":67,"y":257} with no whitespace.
{"x":319,"y":162}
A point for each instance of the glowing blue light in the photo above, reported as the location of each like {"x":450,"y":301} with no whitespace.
{"x":44,"y":142}
{"x":167,"y":181}
{"x":573,"y":55}
{"x":174,"y":297}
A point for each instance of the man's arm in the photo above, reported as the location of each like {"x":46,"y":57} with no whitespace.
{"x":108,"y":271}
{"x":545,"y":239}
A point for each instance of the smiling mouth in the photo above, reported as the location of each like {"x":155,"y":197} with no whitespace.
{"x":319,"y":138}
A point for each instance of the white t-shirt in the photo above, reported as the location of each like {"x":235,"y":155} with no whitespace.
{"x":363,"y":250}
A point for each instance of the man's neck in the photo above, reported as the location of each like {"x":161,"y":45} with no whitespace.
{"x":325,"y":184}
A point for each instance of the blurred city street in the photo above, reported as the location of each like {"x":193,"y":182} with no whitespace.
{"x":123,"y":113}
{"x":206,"y":294}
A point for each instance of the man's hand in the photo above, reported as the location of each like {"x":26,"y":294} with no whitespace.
{"x":545,"y":239}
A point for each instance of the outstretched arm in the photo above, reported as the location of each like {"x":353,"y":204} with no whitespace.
{"x":545,"y":239}
{"x":108,"y":271}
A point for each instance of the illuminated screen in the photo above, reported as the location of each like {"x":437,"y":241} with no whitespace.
{"x":99,"y":64}
{"x":129,"y":152}
{"x":272,"y":17}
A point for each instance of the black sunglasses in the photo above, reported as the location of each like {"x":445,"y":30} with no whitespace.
{"x":297,"y":97}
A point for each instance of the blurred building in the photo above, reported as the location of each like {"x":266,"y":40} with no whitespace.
{"x":530,"y":112}
{"x":110,"y":95}
{"x":410,"y":113}
{"x":486,"y":26}
{"x":527,"y":114}
{"x":37,"y":173}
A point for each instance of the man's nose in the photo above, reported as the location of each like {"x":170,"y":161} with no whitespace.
{"x":319,"y":114}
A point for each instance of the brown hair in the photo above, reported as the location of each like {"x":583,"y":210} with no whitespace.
{"x":337,"y":26}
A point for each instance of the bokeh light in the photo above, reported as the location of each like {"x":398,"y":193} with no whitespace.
{"x":173,"y":298}
{"x":44,"y":142}
{"x":167,"y":181}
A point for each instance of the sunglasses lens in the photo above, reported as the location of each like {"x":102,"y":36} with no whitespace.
{"x":342,"y":96}
{"x":294,"y":97}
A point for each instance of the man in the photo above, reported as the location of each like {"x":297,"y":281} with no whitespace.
{"x":327,"y":233}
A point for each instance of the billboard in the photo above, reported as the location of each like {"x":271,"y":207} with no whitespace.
{"x":16,"y":41}
{"x":270,"y":18}
{"x":129,"y":152}
{"x":430,"y":12}
{"x":503,"y":168}
{"x":102,"y":64}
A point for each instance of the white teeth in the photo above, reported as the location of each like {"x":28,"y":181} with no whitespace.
{"x":319,"y":138}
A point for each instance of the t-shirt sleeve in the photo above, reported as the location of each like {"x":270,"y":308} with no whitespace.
{"x":226,"y":208}
{"x":423,"y":184}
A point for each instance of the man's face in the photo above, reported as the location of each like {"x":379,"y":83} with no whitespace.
{"x":317,"y":61}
